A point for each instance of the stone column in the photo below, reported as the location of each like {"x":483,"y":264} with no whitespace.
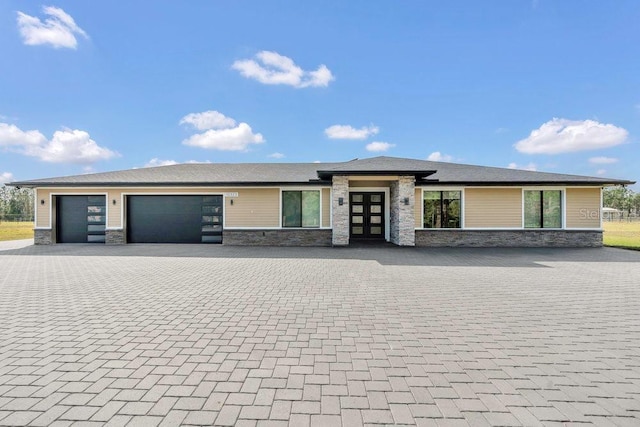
{"x":401,"y":219}
{"x":42,"y":236}
{"x":340,"y":214}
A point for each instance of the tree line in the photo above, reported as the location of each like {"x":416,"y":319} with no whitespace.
{"x":622,"y":198}
{"x":16,"y":204}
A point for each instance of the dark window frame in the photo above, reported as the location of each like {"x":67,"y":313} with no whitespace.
{"x":300,"y":209}
{"x":442,"y":209}
{"x":541,"y":213}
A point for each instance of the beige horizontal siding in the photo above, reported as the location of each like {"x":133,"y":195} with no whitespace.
{"x":418,"y":208}
{"x":583,"y":207}
{"x":254,"y":207}
{"x":42,"y":211}
{"x":493,"y":208}
{"x":326,"y":207}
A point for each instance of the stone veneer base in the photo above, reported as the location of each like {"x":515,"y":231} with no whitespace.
{"x":42,"y":237}
{"x":297,"y":237}
{"x":114,"y":237}
{"x":509,"y":238}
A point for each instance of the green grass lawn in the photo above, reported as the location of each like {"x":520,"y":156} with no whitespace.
{"x":16,"y":230}
{"x":622,"y":234}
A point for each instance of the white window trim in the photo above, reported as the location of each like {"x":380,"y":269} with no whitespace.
{"x":444,"y":188}
{"x":563,"y":198}
{"x":301,"y":188}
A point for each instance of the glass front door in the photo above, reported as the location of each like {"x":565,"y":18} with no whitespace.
{"x":366,"y":219}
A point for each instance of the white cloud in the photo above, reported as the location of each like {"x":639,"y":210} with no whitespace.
{"x":564,"y":136}
{"x":208,"y":120}
{"x":70,"y":146}
{"x":502,"y":130}
{"x":157,"y":162}
{"x":349,"y":132}
{"x":58,"y":29}
{"x":530,"y":167}
{"x":238,"y":138}
{"x":12,"y":135}
{"x":436,"y":156}
{"x":276,"y":156}
{"x":271,"y":68}
{"x":379,"y":146}
{"x":66,"y":146}
{"x":222,"y":134}
{"x":602,"y":160}
{"x":601,"y":172}
{"x":6,"y":177}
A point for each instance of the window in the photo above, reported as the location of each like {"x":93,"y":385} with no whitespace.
{"x":441,"y":209}
{"x":301,"y":208}
{"x":543,"y":209}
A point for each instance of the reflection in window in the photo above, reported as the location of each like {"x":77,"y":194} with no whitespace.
{"x":211,"y":209}
{"x":543,"y":209}
{"x":96,"y":209}
{"x":301,"y":208}
{"x":441,"y":209}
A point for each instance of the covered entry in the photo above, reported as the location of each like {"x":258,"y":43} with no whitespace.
{"x":80,"y":219}
{"x":174,"y":219}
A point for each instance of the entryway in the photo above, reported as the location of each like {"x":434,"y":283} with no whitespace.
{"x":366,"y":216}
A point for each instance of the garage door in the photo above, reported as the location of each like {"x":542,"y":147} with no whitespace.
{"x":80,"y":219}
{"x":174,"y":219}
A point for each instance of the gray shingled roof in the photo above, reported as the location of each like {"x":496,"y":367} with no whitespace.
{"x":426,"y":172}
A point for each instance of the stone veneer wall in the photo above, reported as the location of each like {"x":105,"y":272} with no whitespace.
{"x":114,"y":237}
{"x":42,"y":237}
{"x":509,"y":238}
{"x":340,"y":217}
{"x":401,"y":217}
{"x":293,"y":237}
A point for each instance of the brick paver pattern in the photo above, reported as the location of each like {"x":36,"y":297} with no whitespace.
{"x":209,"y":335}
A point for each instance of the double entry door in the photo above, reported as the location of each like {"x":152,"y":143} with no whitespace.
{"x":366,"y":217}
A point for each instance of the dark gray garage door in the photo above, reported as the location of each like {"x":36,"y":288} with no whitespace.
{"x":174,"y":219}
{"x":80,"y":219}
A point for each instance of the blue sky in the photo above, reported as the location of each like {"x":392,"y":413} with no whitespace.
{"x":96,"y":86}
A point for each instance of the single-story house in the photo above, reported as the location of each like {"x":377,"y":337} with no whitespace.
{"x":407,"y":202}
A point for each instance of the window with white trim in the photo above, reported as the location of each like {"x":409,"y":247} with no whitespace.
{"x":542,"y":209}
{"x":301,"y":209}
{"x":441,"y":209}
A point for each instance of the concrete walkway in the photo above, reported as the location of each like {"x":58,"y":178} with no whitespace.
{"x":214,"y":335}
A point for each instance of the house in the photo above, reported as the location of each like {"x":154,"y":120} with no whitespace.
{"x":404,"y":201}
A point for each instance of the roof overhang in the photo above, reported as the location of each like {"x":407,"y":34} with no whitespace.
{"x":28,"y":184}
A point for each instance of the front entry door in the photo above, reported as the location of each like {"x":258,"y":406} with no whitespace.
{"x":366,"y":219}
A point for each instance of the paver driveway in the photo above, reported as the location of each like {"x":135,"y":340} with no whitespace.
{"x":178,"y":335}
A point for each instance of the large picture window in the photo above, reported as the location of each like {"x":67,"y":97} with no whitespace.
{"x":441,"y":209}
{"x":543,"y":209}
{"x":301,"y":208}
